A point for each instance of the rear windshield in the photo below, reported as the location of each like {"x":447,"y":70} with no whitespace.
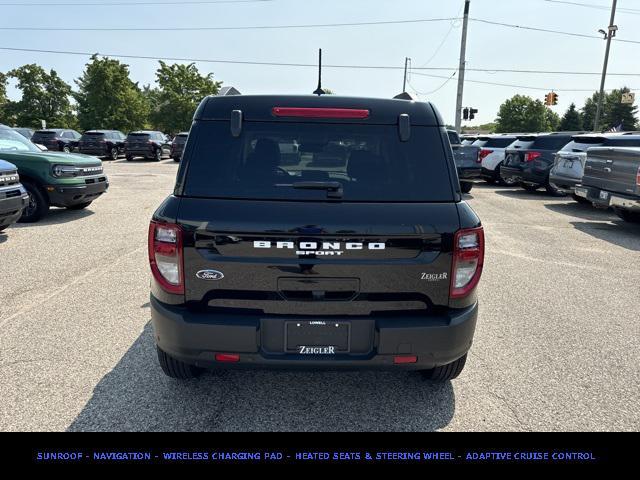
{"x":87,"y":135}
{"x":277,"y":160}
{"x":499,"y":142}
{"x":550,"y":142}
{"x":180,"y":138}
{"x":454,"y":139}
{"x":581,"y":145}
{"x":45,"y":134}
{"x":138,"y":136}
{"x":480,"y":142}
{"x":622,"y":142}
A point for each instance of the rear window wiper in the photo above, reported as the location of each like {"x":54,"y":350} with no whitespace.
{"x":334,"y":189}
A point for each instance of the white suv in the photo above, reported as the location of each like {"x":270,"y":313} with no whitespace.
{"x":492,"y":155}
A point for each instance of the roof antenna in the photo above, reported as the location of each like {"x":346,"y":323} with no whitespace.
{"x":319,"y":90}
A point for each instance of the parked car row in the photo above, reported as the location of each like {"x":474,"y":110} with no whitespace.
{"x":109,"y":144}
{"x":602,"y":169}
{"x":32,"y":180}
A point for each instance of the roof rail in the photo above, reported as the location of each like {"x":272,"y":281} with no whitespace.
{"x":226,"y":91}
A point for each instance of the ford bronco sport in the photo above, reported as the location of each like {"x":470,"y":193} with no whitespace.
{"x":69,"y":180}
{"x":361,"y":253}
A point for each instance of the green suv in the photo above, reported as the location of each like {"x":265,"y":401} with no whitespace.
{"x":55,"y":179}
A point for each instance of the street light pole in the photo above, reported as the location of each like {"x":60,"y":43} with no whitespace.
{"x":610,"y":34}
{"x":463,"y":49}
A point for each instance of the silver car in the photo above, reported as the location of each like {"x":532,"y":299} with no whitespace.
{"x":569,"y":162}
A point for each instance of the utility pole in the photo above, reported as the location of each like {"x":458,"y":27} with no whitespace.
{"x":404,"y":83}
{"x":611,"y":32}
{"x":463,"y":49}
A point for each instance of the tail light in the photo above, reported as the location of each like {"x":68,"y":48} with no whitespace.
{"x":468,"y":257}
{"x":531,"y":156}
{"x":483,"y":153}
{"x":638,"y":177}
{"x":320,"y":112}
{"x":165,"y":256}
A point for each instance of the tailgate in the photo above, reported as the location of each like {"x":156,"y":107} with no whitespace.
{"x":466,"y":156}
{"x":569,"y":164}
{"x":300,"y":258}
{"x":613,"y":169}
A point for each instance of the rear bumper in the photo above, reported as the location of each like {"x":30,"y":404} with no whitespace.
{"x":97,"y":151}
{"x":563,"y":183}
{"x":604,"y":198}
{"x":140,"y":152}
{"x":69,"y":195}
{"x":527,"y":174}
{"x":469,"y":173}
{"x":195,"y":338}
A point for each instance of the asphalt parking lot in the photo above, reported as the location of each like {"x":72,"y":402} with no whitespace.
{"x":557,"y":345}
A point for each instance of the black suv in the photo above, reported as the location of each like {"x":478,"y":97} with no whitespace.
{"x":148,"y":144}
{"x":102,"y":143}
{"x":361,"y":253}
{"x":177,"y":145}
{"x":530,"y":167}
{"x":60,"y":140}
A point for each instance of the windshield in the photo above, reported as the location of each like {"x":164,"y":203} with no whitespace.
{"x":298,"y":161}
{"x":12,"y":141}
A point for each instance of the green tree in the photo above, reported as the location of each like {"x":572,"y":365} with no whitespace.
{"x":614,"y":112}
{"x":107,"y":98}
{"x":553,"y":120}
{"x":45,"y":96}
{"x":521,"y":113}
{"x":572,"y":120}
{"x":3,"y":99}
{"x":180,"y":90}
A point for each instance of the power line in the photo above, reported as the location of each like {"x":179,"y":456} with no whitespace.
{"x":545,"y":89}
{"x":246,"y":27}
{"x":111,"y":4}
{"x":545,"y":30}
{"x":633,"y":11}
{"x":295,"y":64}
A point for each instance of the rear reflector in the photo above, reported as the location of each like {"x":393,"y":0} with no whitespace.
{"x":320,"y":112}
{"x":638,"y":177}
{"x":227,"y":357}
{"x":401,"y":359}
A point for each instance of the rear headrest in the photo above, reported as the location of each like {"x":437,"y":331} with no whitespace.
{"x":265,"y":156}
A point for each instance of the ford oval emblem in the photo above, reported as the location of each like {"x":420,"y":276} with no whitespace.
{"x":210,"y":275}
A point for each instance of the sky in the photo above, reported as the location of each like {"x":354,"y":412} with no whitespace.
{"x":428,"y":44}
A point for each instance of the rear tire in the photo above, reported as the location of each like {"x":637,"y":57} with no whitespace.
{"x":38,"y":204}
{"x":466,"y":187}
{"x":158,"y":155}
{"x":113,"y":154}
{"x":553,"y":190}
{"x":628,"y":216}
{"x":175,"y":368}
{"x":446,"y":372}
{"x":66,"y":149}
{"x":79,"y":206}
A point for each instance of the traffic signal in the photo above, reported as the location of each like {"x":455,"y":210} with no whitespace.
{"x":547,"y":99}
{"x":472,"y":113}
{"x":465,"y":114}
{"x":554,"y":98}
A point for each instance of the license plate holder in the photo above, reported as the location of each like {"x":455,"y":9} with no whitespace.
{"x":319,"y":337}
